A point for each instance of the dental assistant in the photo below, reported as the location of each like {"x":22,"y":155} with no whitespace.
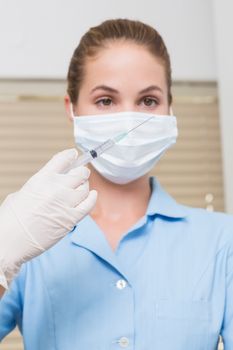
{"x":141,"y":271}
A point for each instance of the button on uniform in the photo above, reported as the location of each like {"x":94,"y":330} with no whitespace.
{"x":123,"y":342}
{"x":121,"y":284}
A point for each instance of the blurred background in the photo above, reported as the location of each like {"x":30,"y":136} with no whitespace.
{"x":37,"y":39}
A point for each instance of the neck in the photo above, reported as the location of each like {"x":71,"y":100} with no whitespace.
{"x":116,"y":201}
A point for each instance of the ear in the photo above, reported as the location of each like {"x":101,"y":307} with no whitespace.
{"x":68,"y":106}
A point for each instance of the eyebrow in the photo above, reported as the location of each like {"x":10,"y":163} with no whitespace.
{"x":109,"y":89}
{"x":151,"y":88}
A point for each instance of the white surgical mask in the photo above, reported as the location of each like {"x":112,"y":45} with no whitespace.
{"x":133,"y":156}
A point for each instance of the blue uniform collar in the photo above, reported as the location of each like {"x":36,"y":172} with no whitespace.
{"x":88,"y":235}
{"x":163,"y":204}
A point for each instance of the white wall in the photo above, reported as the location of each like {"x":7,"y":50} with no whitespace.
{"x":37,"y":38}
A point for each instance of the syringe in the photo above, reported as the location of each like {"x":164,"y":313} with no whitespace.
{"x":90,"y":155}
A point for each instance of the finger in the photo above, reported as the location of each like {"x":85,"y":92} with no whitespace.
{"x":68,"y":196}
{"x":77,"y":176}
{"x":61,"y":161}
{"x":86,"y":205}
{"x":78,"y":195}
{"x":71,"y":180}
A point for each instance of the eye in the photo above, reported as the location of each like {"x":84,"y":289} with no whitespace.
{"x":150,"y":101}
{"x":104,"y":101}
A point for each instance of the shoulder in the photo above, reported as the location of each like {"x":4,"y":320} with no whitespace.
{"x":220,"y":219}
{"x":33,"y":272}
{"x":214,"y":225}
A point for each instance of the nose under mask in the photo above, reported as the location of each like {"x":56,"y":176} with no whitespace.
{"x":137,"y":153}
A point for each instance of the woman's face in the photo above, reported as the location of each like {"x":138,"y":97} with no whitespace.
{"x":123,"y":77}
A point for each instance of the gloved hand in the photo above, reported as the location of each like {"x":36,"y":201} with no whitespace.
{"x":42,"y":212}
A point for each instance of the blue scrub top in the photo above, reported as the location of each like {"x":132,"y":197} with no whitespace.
{"x":168,"y":286}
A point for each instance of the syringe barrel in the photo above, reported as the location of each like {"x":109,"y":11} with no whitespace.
{"x":104,"y":147}
{"x":82,"y":160}
{"x":94,"y":153}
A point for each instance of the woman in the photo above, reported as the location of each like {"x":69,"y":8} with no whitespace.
{"x":142,"y":271}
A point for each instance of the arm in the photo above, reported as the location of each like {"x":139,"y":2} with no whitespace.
{"x":227,"y":326}
{"x":11,"y":305}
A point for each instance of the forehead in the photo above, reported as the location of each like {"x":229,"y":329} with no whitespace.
{"x":124,"y":64}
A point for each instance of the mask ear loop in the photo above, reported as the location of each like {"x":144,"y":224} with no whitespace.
{"x":171,"y":111}
{"x":71,"y":111}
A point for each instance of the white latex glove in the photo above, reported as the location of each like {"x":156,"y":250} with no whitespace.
{"x":42,"y":212}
